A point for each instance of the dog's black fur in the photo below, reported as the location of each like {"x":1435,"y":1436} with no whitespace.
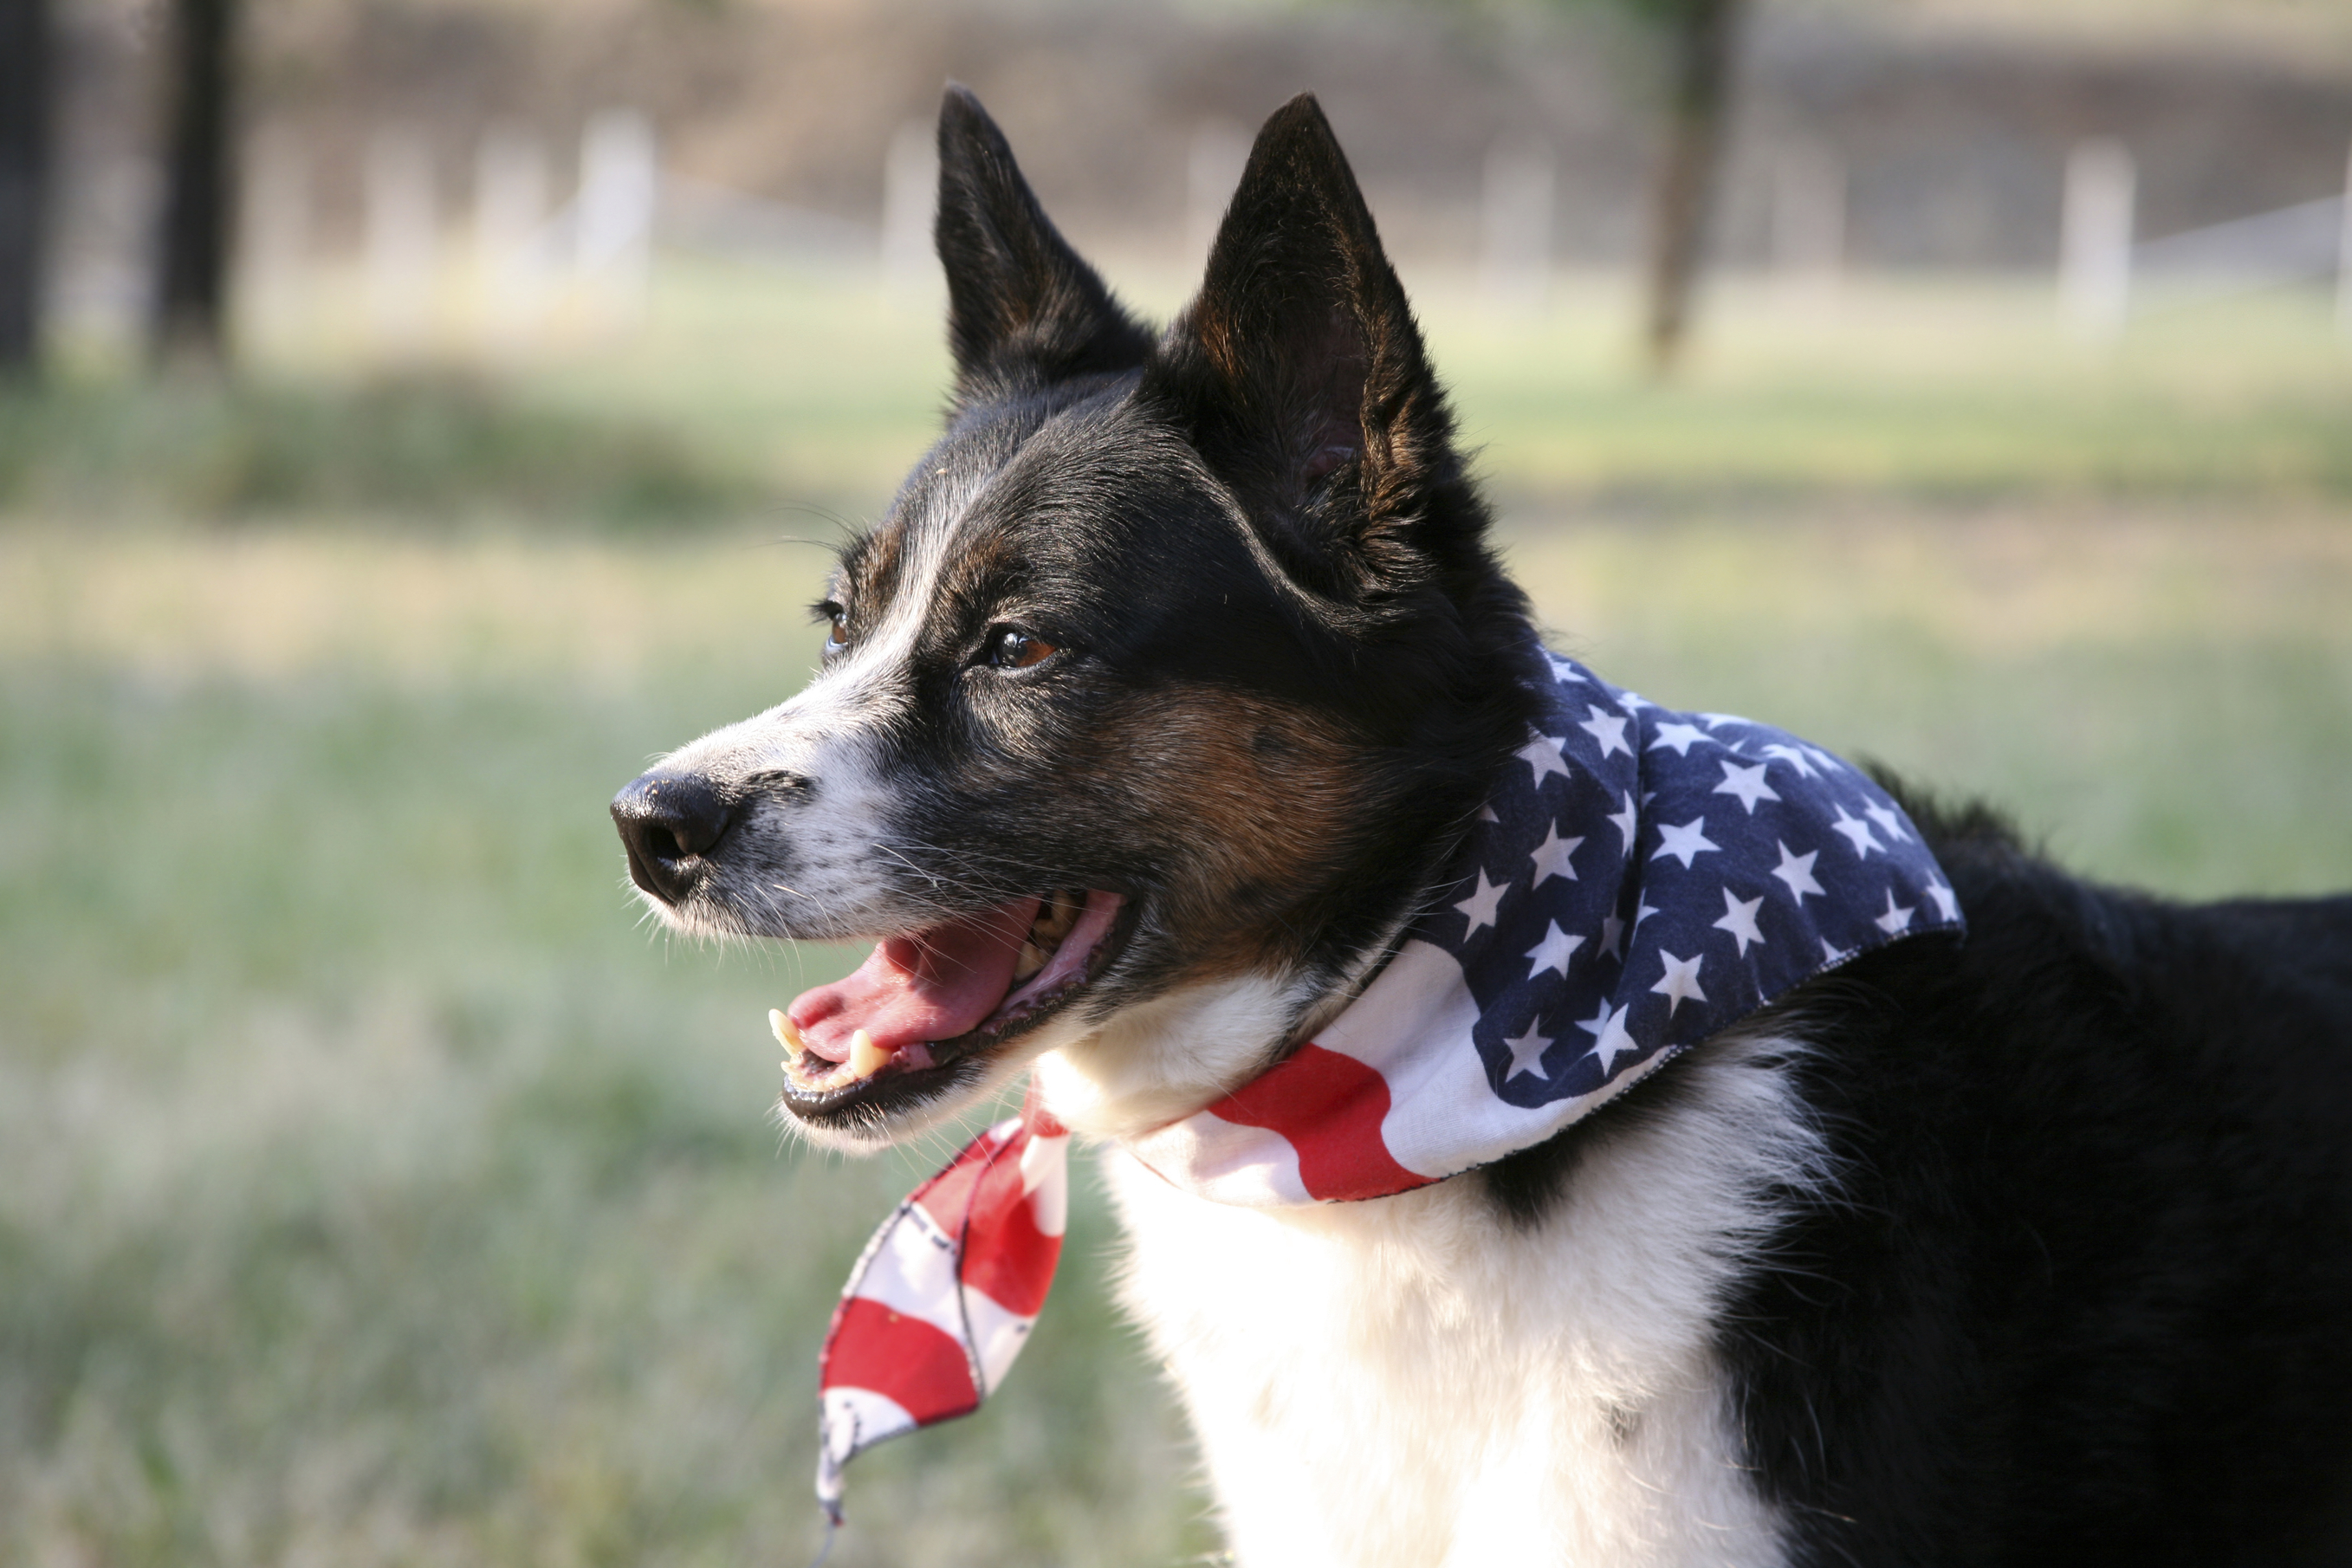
{"x":2080,"y":1290}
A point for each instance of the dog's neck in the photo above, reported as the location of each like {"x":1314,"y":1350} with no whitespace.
{"x":1167,"y":1057}
{"x":1162,"y":1059}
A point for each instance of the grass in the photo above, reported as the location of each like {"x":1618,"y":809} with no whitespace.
{"x":800,"y":397}
{"x":375,"y":1189}
{"x":433,"y":448}
{"x":1950,"y":393}
{"x":1947,"y":391}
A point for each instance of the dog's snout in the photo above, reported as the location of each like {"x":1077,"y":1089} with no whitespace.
{"x":668,"y":822}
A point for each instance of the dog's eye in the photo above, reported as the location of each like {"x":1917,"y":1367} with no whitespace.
{"x":837,"y":639}
{"x":1011,"y":648}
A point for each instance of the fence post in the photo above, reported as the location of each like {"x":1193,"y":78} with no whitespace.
{"x":403,"y":237}
{"x":620,"y":187}
{"x":1808,"y":203}
{"x":510,"y":243}
{"x":275,"y":285}
{"x":2344,"y":257}
{"x":2095,"y":251}
{"x":1515,"y":229}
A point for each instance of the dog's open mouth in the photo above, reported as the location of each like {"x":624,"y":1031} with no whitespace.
{"x":927,"y":1003}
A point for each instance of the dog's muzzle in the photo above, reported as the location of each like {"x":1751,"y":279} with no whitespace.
{"x":669,"y":822}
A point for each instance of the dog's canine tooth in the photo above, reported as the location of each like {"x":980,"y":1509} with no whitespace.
{"x":1032,"y":959}
{"x":797,"y":1064}
{"x":789,"y":1036}
{"x":866,"y":1058}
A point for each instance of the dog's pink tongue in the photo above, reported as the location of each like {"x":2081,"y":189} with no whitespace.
{"x":932,"y":985}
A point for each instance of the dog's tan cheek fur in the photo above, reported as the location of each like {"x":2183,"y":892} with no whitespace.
{"x":1251,"y":804}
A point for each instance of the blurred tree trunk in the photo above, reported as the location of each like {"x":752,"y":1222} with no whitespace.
{"x":191,"y":299}
{"x":26,"y":56}
{"x":1702,"y":36}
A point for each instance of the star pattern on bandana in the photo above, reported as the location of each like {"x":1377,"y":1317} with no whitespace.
{"x":1526,"y":1053}
{"x":1681,"y":737}
{"x":1609,"y":1039}
{"x":1609,"y":729}
{"x":1553,"y":857}
{"x":1745,"y":784}
{"x":1731,"y":861}
{"x":1739,"y":920}
{"x":1679,"y":983}
{"x":1553,"y":952}
{"x":1483,"y":901}
{"x":1545,"y":756}
{"x":1685,"y":842}
{"x":1797,"y":870}
{"x":1857,"y":833}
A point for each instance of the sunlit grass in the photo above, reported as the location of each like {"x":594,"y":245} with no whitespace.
{"x":1954,"y":390}
{"x":374,"y":1188}
{"x":800,"y":396}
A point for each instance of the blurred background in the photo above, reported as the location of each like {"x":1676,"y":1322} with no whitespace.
{"x":417,"y":414}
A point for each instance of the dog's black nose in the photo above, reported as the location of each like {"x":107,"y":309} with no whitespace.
{"x":668,"y":821}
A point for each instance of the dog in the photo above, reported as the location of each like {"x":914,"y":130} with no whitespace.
{"x":1151,"y":721}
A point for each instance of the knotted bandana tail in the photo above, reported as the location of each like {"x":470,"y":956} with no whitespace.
{"x":1640,"y":880}
{"x":941,"y":1299}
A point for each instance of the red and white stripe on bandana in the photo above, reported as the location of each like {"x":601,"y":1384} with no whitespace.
{"x":942,"y":1299}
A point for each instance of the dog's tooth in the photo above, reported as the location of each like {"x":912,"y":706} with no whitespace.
{"x":866,"y":1058}
{"x":787,"y":1035}
{"x":1032,"y":959}
{"x":1055,"y":919}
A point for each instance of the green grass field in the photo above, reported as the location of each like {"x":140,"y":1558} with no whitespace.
{"x":376,"y":1188}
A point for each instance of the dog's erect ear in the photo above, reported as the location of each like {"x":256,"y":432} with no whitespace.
{"x":1022,"y":307}
{"x":1301,"y":377}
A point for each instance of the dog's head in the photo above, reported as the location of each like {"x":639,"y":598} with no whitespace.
{"x":1147,"y":710}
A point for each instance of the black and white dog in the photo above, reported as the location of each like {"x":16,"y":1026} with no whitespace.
{"x":1150,"y":720}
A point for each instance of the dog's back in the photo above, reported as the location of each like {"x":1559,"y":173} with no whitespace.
{"x":2080,"y":1290}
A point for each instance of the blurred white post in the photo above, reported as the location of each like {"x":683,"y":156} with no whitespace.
{"x":2094,"y":262}
{"x":1212,"y":170}
{"x":1809,"y":201}
{"x":1515,"y":230}
{"x":277,"y":240}
{"x":620,"y":188}
{"x":512,"y":260}
{"x":403,"y":237}
{"x":910,"y":195}
{"x":2344,"y":259}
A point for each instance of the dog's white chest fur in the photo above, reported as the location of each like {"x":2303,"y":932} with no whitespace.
{"x":1416,"y":1381}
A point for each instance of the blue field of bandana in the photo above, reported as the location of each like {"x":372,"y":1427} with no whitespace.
{"x":1642,"y":878}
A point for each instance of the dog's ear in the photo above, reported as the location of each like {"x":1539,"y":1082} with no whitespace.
{"x":1300,"y":375}
{"x":1022,"y":308}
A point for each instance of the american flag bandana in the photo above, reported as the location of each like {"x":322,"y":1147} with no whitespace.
{"x":1638,"y":880}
